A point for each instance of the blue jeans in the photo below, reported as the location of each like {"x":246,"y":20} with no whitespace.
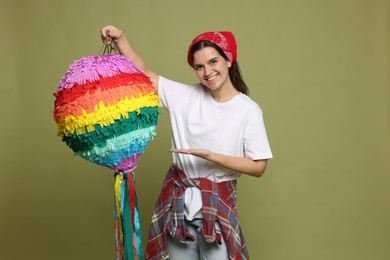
{"x":198,"y":249}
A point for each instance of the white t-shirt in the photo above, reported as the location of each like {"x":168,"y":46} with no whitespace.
{"x":235,"y":128}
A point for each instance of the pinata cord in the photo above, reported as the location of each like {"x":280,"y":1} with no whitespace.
{"x":128,"y":234}
{"x":109,"y":48}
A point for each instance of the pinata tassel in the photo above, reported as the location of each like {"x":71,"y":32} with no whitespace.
{"x":128,"y":234}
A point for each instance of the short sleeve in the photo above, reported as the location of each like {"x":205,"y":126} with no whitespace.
{"x":173,"y":93}
{"x":256,"y":145}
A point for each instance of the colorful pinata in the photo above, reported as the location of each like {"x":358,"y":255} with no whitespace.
{"x":106,"y":110}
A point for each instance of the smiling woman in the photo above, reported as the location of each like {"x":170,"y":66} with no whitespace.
{"x":218,"y":134}
{"x":230,"y":55}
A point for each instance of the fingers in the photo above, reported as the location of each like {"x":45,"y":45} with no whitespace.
{"x":110,"y":33}
{"x":105,"y":34}
{"x":182,"y":151}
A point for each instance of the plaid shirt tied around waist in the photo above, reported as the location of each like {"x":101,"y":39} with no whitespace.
{"x":219,"y":203}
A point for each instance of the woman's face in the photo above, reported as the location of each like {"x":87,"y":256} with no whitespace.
{"x":212,"y":69}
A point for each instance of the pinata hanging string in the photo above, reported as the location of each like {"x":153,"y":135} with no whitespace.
{"x":108,"y":48}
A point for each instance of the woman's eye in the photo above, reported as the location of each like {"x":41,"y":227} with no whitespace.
{"x":197,"y":67}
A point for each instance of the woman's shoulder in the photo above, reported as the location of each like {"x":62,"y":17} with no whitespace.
{"x":173,"y":93}
{"x":249,"y":103}
{"x":167,"y":81}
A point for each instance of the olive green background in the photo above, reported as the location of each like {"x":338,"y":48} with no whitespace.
{"x":319,"y":69}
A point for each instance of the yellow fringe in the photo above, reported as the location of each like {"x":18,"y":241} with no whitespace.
{"x":105,"y":115}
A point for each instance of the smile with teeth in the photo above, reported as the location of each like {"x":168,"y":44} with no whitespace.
{"x":211,"y":78}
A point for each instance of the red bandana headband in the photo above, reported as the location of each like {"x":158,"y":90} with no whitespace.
{"x":224,"y":40}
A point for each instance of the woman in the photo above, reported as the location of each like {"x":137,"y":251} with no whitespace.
{"x":218,"y":134}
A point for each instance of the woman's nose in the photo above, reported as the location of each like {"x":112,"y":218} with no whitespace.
{"x":207,"y":70}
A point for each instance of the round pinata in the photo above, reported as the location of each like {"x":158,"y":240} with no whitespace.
{"x":106,"y":110}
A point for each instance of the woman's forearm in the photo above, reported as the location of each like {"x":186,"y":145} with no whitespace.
{"x":112,"y":34}
{"x":125,"y":48}
{"x":255,"y":168}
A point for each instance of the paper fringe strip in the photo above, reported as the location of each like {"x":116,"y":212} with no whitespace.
{"x":106,"y":111}
{"x":128,"y":235}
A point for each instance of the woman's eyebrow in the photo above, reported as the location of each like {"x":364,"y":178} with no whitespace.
{"x":214,"y":58}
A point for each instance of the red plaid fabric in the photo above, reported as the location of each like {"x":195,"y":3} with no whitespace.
{"x":219,"y":203}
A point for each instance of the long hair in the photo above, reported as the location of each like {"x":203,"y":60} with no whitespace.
{"x":234,"y":70}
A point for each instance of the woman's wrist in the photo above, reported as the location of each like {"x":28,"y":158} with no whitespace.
{"x":117,"y":38}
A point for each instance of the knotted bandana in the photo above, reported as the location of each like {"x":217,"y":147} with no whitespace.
{"x":224,"y":40}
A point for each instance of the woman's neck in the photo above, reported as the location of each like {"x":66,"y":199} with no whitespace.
{"x":224,"y":94}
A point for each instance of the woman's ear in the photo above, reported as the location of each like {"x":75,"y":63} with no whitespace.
{"x":229,"y":64}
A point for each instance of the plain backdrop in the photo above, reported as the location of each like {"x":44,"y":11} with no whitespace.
{"x":318,"y":68}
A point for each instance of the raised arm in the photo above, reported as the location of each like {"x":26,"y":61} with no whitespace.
{"x":111,"y":34}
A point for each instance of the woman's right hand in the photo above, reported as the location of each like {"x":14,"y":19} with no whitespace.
{"x":110,"y":34}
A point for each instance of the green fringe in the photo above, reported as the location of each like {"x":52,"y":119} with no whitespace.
{"x":137,"y":120}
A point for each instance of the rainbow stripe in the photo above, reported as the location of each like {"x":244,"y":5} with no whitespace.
{"x":106,"y":110}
